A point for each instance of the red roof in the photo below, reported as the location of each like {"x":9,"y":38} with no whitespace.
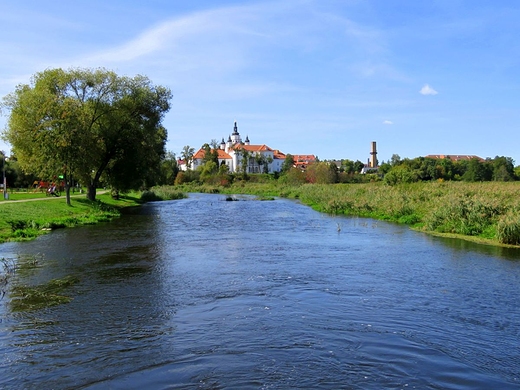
{"x":303,"y":158}
{"x":455,"y":157}
{"x":253,"y":148}
{"x":222,"y":155}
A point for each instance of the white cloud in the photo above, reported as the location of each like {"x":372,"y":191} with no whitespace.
{"x":427,"y":90}
{"x":387,"y":122}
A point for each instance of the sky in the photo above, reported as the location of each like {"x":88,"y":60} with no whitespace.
{"x":322,"y":77}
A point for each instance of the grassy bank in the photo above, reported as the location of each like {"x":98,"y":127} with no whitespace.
{"x":487,"y":212}
{"x":28,"y":215}
{"x":25,"y":220}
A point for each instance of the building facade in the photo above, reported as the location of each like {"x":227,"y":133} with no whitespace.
{"x":236,"y":153}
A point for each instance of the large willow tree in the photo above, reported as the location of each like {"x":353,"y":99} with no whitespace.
{"x":91,"y":125}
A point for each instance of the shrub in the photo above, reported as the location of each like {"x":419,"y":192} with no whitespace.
{"x":149,"y":196}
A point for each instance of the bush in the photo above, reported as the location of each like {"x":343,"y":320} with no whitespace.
{"x":149,"y":196}
{"x":162,"y":193}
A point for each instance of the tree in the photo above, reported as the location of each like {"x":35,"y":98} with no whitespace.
{"x":288,"y":163}
{"x":395,"y":160}
{"x":187,"y":155}
{"x":503,"y":169}
{"x":244,"y":162}
{"x":210,"y":153}
{"x":169,"y":169}
{"x":89,"y":124}
{"x":478,"y":171}
{"x":358,"y":166}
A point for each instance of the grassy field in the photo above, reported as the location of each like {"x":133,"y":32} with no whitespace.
{"x":487,"y":212}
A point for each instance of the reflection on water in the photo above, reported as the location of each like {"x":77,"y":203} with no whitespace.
{"x":488,"y":250}
{"x":204,"y":293}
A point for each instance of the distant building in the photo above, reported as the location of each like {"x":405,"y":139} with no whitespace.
{"x":455,"y":157}
{"x":262,"y":158}
{"x":372,"y":163}
{"x":303,"y":160}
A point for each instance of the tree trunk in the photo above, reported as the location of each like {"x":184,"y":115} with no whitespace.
{"x":67,"y":193}
{"x":91,"y":192}
{"x":67,"y":188}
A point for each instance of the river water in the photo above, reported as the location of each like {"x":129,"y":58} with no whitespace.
{"x":211,"y":294}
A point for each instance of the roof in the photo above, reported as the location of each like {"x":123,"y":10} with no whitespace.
{"x":222,"y":155}
{"x":279,"y":155}
{"x":253,"y":148}
{"x":307,"y":158}
{"x":455,"y":157}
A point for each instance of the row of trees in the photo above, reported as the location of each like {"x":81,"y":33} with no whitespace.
{"x":427,"y":169}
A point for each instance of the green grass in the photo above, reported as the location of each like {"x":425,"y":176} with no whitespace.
{"x":26,"y":220}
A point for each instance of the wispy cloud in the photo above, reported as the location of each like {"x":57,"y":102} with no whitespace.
{"x":387,"y":122}
{"x":427,"y":90}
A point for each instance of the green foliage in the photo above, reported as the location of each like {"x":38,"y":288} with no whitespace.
{"x":162,"y":193}
{"x":321,"y":173}
{"x":89,"y":124}
{"x":293,"y":176}
{"x":429,"y":169}
{"x":503,"y":169}
{"x":187,"y":154}
{"x":399,"y":175}
{"x":169,"y":169}
{"x":288,"y":163}
{"x":478,"y":171}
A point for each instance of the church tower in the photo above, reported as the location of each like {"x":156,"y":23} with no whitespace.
{"x":235,"y":136}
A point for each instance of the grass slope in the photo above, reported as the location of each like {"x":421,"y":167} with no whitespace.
{"x":23,"y":220}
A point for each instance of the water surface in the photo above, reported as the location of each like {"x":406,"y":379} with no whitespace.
{"x":205,"y":293}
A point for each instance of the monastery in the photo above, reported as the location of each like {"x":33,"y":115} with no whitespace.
{"x":261,"y":157}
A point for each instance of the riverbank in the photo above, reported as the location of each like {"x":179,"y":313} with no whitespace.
{"x":28,"y":218}
{"x":488,"y":212}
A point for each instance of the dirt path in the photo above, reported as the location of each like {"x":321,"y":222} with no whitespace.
{"x":49,"y":198}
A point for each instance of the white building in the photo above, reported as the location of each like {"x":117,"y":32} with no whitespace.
{"x":261,"y":158}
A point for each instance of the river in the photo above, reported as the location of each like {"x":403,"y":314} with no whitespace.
{"x":203,"y":293}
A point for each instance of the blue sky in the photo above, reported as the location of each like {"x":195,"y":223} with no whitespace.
{"x":323,"y":77}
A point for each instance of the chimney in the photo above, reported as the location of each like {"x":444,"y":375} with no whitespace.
{"x":373,"y":154}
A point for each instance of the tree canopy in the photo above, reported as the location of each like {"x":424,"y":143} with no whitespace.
{"x":90,"y":124}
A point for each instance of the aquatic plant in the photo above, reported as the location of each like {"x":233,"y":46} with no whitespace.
{"x":45,"y":295}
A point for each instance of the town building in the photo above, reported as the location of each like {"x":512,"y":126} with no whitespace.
{"x":372,"y":165}
{"x":260,"y":157}
{"x":455,"y":157}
